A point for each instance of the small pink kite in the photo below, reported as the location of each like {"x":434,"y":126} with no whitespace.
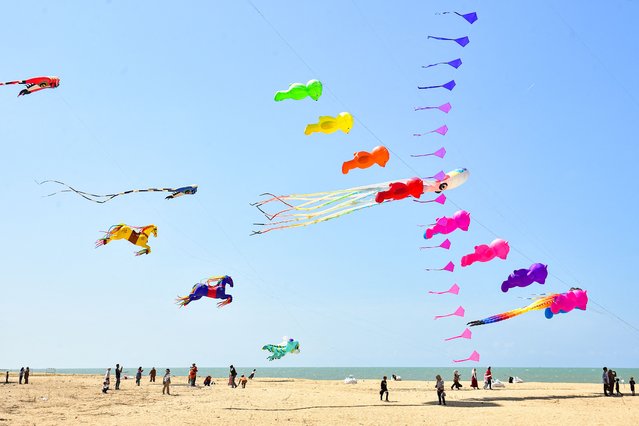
{"x":441,"y":199}
{"x":442,"y":130}
{"x":458,"y":313}
{"x":450,"y":267}
{"x":473,"y":357}
{"x":445,"y":108}
{"x":445,"y":245}
{"x":467,"y":334}
{"x":454,"y":289}
{"x":441,"y":153}
{"x":446,"y":225}
{"x":485,"y":253}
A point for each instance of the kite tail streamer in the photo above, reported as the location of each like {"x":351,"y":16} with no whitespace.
{"x":540,"y":304}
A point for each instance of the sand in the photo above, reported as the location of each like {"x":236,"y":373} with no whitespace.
{"x":77,"y":399}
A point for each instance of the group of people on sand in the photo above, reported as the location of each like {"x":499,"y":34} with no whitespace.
{"x":23,"y":375}
{"x":166,"y":381}
{"x":611,"y":383}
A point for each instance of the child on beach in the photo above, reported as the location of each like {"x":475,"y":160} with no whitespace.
{"x":439,"y":385}
{"x":632,"y":385}
{"x":138,"y":376}
{"x":384,"y":389}
{"x":207,"y":381}
{"x":243,"y":381}
{"x":617,"y":385}
{"x":105,"y":387}
{"x":107,"y":381}
{"x":166,"y":382}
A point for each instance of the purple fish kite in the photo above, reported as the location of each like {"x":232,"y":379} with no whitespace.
{"x":462,"y":41}
{"x":455,"y":63}
{"x":538,"y":272}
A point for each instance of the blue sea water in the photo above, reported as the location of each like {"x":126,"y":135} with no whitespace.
{"x":550,"y":375}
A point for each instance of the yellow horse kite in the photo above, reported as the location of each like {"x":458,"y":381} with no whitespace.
{"x":134,"y":234}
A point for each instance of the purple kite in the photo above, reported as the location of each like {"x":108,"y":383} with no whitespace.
{"x":441,"y":199}
{"x":446,"y":225}
{"x":455,"y":63}
{"x":458,"y":313}
{"x":473,"y":357}
{"x":466,"y":334}
{"x":538,"y":272}
{"x":441,"y":152}
{"x":445,"y":245}
{"x":445,"y":108}
{"x":462,"y":41}
{"x":485,"y":253}
{"x":449,"y":86}
{"x":450,"y":267}
{"x":442,"y":130}
{"x":470,"y":17}
{"x":454,"y":289}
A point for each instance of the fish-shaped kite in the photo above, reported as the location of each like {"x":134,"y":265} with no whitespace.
{"x":298,"y":91}
{"x":35,"y":84}
{"x":363,"y":159}
{"x":485,"y":253}
{"x":97,"y":198}
{"x":538,"y":272}
{"x":327,"y":124}
{"x":278,"y":351}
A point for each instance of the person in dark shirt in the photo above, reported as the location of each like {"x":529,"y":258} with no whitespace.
{"x":21,"y":375}
{"x":632,"y":385}
{"x":118,"y":372}
{"x":252,"y":374}
{"x":207,"y":381}
{"x":233,"y":375}
{"x":383,"y":389}
{"x":26,"y":376}
{"x":152,"y":375}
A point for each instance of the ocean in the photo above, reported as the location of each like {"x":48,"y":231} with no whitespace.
{"x":549,"y":375}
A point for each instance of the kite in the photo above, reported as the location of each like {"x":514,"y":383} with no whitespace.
{"x":441,"y":199}
{"x":449,"y":86}
{"x":450,"y":267}
{"x":446,"y":225}
{"x":327,"y":124}
{"x":538,"y":272}
{"x":485,"y":253}
{"x":458,"y":313}
{"x":466,"y":334}
{"x":455,"y":63}
{"x":134,"y":234}
{"x":308,"y":209}
{"x":206,"y":289}
{"x":298,"y":91}
{"x":278,"y":351}
{"x":576,"y":298}
{"x":35,"y":84}
{"x":442,"y":130}
{"x":363,"y":159}
{"x":445,"y":245}
{"x":441,"y":153}
{"x":462,"y":41}
{"x":101,"y":199}
{"x":454,"y":289}
{"x":445,"y":108}
{"x":473,"y":357}
{"x":470,"y":17}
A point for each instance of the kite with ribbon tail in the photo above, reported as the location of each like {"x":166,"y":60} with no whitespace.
{"x":445,"y":245}
{"x":455,"y":63}
{"x":278,"y":351}
{"x":473,"y":357}
{"x":485,"y":253}
{"x":459,"y":312}
{"x":98,"y":198}
{"x":445,"y":108}
{"x":462,"y":41}
{"x":35,"y":84}
{"x":214,"y":287}
{"x":308,"y":209}
{"x":471,"y":17}
{"x":454,"y":289}
{"x":442,"y":130}
{"x":441,"y":153}
{"x":448,"y":86}
{"x":450,"y":267}
{"x":552,"y":303}
{"x":466,"y":334}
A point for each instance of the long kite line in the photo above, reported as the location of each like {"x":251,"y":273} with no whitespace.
{"x":103,"y":198}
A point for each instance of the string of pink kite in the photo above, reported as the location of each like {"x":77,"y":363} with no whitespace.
{"x":441,"y":153}
{"x":473,"y":357}
{"x":442,"y":130}
{"x":466,"y":334}
{"x":445,"y":245}
{"x":450,"y":267}
{"x":454,"y":289}
{"x":458,"y":313}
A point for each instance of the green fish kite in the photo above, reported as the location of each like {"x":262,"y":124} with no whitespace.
{"x":299,"y":91}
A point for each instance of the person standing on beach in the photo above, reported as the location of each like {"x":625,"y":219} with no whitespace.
{"x":107,"y":381}
{"x":118,"y":372}
{"x":166,"y":382}
{"x":192,"y":374}
{"x":138,"y":376}
{"x":21,"y":375}
{"x":6,"y":379}
{"x":604,"y":380}
{"x":456,"y":378}
{"x":473,"y":379}
{"x":252,"y":374}
{"x":632,"y":384}
{"x":441,"y":394}
{"x":383,"y":389}
{"x":26,"y":376}
{"x":232,"y":376}
{"x":488,"y":379}
{"x":152,"y":374}
{"x":611,"y":383}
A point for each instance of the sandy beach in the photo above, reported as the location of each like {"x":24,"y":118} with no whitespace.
{"x":77,"y":399}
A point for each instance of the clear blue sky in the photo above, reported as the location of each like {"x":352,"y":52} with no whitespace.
{"x":544,"y":116}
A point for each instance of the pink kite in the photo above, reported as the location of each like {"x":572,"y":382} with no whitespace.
{"x":441,"y":199}
{"x":441,"y":152}
{"x":566,"y":302}
{"x":454,"y":289}
{"x":467,"y":334}
{"x":442,"y":130}
{"x":446,"y":225}
{"x":445,"y":108}
{"x":473,"y":357}
{"x":445,"y":245}
{"x":484,"y":253}
{"x":450,"y":267}
{"x":458,"y":313}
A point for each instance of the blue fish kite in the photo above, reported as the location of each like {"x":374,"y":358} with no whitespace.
{"x":101,"y":199}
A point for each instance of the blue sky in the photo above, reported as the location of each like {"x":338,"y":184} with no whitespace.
{"x":543,"y":116}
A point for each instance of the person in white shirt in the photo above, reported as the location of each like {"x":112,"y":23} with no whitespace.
{"x":167,"y":382}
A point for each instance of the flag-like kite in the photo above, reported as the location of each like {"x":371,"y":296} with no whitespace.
{"x":466,"y":334}
{"x":473,"y":357}
{"x":445,"y":245}
{"x":448,"y":86}
{"x":462,"y":41}
{"x":441,"y":153}
{"x":450,"y":267}
{"x":445,"y":108}
{"x":454,"y":289}
{"x":455,"y":63}
{"x":97,"y":198}
{"x":442,"y":130}
{"x":471,"y":17}
{"x":459,"y":312}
